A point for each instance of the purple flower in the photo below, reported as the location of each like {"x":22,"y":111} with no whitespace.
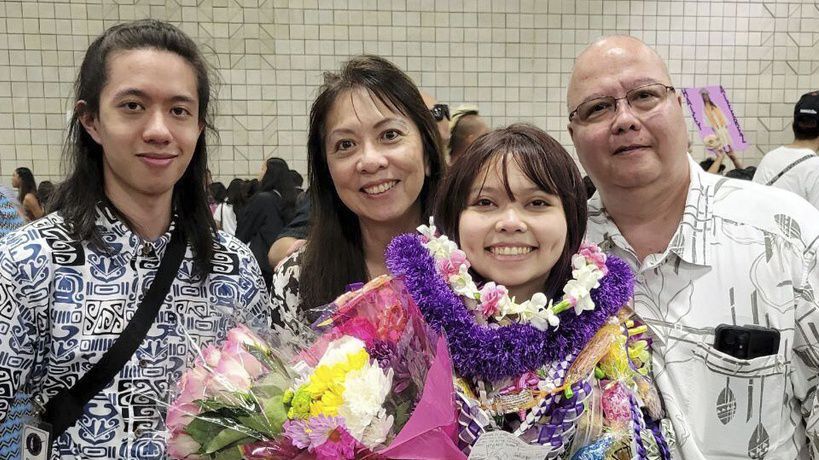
{"x":382,"y":351}
{"x":494,"y":354}
{"x":339,"y":445}
{"x":312,"y":432}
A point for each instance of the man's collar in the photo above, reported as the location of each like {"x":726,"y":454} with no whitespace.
{"x":692,"y":239}
{"x":114,"y":231}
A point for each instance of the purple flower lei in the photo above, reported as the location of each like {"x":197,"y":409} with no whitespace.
{"x":494,"y":354}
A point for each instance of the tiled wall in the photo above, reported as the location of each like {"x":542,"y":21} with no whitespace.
{"x":510,"y":57}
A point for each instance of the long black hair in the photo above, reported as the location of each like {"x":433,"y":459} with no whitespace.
{"x":334,"y":256}
{"x":235,"y":195}
{"x":84,"y":157}
{"x":27,"y":183}
{"x":277,"y":178}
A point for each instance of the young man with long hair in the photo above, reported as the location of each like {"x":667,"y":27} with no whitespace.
{"x":75,"y":282}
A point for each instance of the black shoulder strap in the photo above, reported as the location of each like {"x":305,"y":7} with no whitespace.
{"x":789,"y":167}
{"x":64,"y":409}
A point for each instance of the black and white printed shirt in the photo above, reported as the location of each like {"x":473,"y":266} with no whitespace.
{"x":63,"y":304}
{"x":743,"y":254}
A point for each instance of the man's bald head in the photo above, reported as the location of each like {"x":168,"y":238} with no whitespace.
{"x":627,"y":147}
{"x":607,"y":51}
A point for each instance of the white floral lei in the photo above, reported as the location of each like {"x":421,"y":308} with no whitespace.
{"x":492,"y":300}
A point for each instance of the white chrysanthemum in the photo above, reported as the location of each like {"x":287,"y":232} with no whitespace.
{"x":339,"y":349}
{"x":377,"y":432}
{"x":365,"y":390}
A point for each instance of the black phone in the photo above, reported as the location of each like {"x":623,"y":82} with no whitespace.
{"x":746,"y":342}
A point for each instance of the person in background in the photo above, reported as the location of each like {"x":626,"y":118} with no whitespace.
{"x":711,"y":166}
{"x":44,"y":192}
{"x":225,"y":213}
{"x":707,"y":252}
{"x":795,"y":167}
{"x":298,"y":181}
{"x":72,"y":281}
{"x":249,"y":188}
{"x":715,"y":165}
{"x":267,"y":212}
{"x":440,"y":112}
{"x":294,"y":235}
{"x":217,"y":191}
{"x":466,"y":126}
{"x":746,"y":173}
{"x":23,"y":181}
{"x":374,"y":163}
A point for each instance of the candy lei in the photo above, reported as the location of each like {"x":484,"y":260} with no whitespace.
{"x":515,"y":345}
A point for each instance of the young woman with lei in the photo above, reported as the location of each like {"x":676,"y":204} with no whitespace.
{"x":533,"y":317}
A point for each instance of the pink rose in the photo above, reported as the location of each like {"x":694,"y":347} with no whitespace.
{"x":241,"y":334}
{"x":193,"y":384}
{"x":210,"y":356}
{"x":182,"y":446}
{"x":237,"y":351}
{"x":452,"y":266}
{"x":491,"y":294}
{"x":180,"y":415}
{"x":229,"y":375}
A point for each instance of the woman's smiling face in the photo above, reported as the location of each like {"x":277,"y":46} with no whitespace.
{"x":376,"y":159}
{"x":512,"y":239}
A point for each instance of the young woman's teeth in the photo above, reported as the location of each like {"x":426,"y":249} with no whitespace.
{"x":380,"y":188}
{"x":511,"y":250}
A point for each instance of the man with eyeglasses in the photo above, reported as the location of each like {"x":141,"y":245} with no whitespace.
{"x":707,"y":251}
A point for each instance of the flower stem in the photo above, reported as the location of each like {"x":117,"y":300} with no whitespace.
{"x":562,"y":306}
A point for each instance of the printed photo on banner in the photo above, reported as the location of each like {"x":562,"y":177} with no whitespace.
{"x":715,"y":119}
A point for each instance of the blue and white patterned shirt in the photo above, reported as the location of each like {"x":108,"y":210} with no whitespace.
{"x":743,"y":254}
{"x":63,"y":304}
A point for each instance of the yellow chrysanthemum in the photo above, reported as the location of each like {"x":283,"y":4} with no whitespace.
{"x":357,"y":360}
{"x":328,"y":404}
{"x":326,"y":385}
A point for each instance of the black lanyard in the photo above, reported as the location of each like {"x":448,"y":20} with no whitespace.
{"x":64,"y":409}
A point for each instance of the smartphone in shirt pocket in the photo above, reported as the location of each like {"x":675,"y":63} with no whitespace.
{"x":746,"y":342}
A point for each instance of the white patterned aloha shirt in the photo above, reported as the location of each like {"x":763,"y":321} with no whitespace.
{"x":62,"y":305}
{"x":742,"y":254}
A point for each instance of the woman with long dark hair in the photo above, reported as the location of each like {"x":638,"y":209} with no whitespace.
{"x":23,"y":180}
{"x":374,"y":162}
{"x":226,"y":211}
{"x":268,"y":211}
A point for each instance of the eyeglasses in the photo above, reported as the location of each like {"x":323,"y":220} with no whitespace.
{"x":641,"y":99}
{"x":440,"y":111}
